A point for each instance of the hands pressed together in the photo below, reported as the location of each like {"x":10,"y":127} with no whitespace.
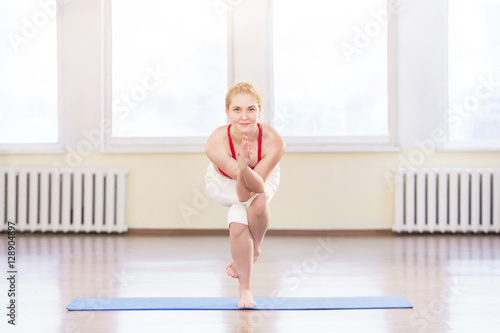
{"x":245,"y":155}
{"x":250,"y":182}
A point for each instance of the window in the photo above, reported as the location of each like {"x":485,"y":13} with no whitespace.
{"x":473,"y":115}
{"x":168,"y":71}
{"x":29,"y":116}
{"x":330,"y":63}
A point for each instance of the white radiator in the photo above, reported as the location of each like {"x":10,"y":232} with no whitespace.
{"x":447,"y":200}
{"x":63,"y":199}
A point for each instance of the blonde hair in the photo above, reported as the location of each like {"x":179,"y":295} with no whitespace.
{"x":242,"y":88}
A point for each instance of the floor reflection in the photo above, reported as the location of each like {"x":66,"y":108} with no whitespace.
{"x":443,"y":272}
{"x":452,"y":280}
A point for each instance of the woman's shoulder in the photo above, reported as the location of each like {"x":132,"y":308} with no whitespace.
{"x":271,"y":137}
{"x":218,"y":133}
{"x":217,"y":136}
{"x":269,"y":132}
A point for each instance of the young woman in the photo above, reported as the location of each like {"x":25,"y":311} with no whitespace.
{"x":244,"y":175}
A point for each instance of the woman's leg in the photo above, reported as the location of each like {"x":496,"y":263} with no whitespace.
{"x":258,"y":221}
{"x":258,"y":216}
{"x":258,"y":213}
{"x":241,"y":243}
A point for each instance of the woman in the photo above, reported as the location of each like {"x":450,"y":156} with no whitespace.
{"x":244,"y":175}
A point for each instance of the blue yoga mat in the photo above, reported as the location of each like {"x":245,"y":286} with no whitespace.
{"x":229,"y":303}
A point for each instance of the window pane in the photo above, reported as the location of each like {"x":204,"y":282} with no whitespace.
{"x":474,"y":71}
{"x":28,"y":67}
{"x":330,"y":67}
{"x":169,"y":68}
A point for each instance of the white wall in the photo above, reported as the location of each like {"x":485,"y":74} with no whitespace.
{"x":318,"y":190}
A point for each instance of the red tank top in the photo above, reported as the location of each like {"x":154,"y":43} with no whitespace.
{"x":233,"y":153}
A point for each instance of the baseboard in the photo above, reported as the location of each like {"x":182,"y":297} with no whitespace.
{"x":271,"y":232}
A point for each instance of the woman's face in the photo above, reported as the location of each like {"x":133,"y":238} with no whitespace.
{"x":243,"y":112}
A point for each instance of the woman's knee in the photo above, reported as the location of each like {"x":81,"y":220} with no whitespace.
{"x":259,"y":204}
{"x":243,"y":196}
{"x":237,"y":229}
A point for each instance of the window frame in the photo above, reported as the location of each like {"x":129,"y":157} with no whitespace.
{"x":293,"y":144}
{"x":141,"y":144}
{"x":344,"y":143}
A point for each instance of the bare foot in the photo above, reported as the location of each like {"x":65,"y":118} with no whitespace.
{"x":256,"y":254}
{"x":231,"y":270}
{"x":246,"y":299}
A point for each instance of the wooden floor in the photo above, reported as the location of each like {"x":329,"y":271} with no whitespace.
{"x":453,"y":282}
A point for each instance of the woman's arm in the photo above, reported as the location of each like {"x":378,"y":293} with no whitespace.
{"x":275,"y":151}
{"x":248,"y":182}
{"x":215,"y":151}
{"x":252,"y":181}
{"x":242,"y":190}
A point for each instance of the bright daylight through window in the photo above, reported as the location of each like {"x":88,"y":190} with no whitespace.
{"x":28,"y":72}
{"x":331,"y":68}
{"x":169,"y":73}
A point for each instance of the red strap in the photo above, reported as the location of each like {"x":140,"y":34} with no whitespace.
{"x":231,"y":141}
{"x":232,"y":150}
{"x":260,"y":143}
{"x":234,"y":153}
{"x":224,"y":174}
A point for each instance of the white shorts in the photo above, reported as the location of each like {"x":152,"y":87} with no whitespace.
{"x":223,"y":190}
